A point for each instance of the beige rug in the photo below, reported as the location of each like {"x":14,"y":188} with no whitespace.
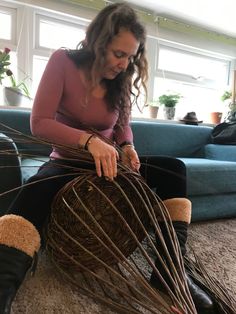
{"x":47,"y":293}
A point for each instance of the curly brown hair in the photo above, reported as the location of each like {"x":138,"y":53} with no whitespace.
{"x":92,"y":54}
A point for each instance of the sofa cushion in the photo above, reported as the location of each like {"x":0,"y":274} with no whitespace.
{"x":19,"y":120}
{"x":176,"y":140}
{"x":220,"y":152}
{"x":30,"y":166}
{"x":213,"y":206}
{"x":207,"y":177}
{"x":10,"y":174}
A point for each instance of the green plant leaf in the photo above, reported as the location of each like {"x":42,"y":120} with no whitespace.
{"x":169,"y":100}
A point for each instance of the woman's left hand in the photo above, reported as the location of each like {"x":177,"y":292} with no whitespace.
{"x":130,"y":158}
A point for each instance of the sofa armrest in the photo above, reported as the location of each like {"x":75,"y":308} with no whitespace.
{"x":220,"y":152}
{"x":10,"y":171}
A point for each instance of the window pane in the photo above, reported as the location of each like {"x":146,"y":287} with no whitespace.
{"x":5,"y":26}
{"x":198,"y":67}
{"x":39,"y":64}
{"x":55,"y":35}
{"x":202,"y":100}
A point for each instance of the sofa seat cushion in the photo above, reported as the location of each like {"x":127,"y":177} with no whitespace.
{"x":30,"y":166}
{"x":213,"y":206}
{"x":207,"y":177}
{"x":220,"y":152}
{"x":10,"y":173}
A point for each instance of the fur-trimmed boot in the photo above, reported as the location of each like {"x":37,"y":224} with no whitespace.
{"x":180,"y":213}
{"x":19,"y":244}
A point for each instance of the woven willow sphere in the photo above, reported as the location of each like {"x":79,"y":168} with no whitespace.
{"x":96,"y":220}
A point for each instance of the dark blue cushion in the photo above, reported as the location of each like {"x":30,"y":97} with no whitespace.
{"x":220,"y":152}
{"x":206,"y":176}
{"x":213,"y":206}
{"x":19,"y":120}
{"x":10,"y":174}
{"x":30,"y":166}
{"x":176,"y":140}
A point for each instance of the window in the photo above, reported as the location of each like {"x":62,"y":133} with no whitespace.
{"x":195,"y":97}
{"x":192,"y":66}
{"x":7,"y":39}
{"x":51,"y":34}
{"x":55,"y":33}
{"x":7,"y":24}
{"x":199,"y":78}
{"x":39,"y":64}
{"x":33,"y":33}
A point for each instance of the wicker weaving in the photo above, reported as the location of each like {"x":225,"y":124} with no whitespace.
{"x":95,"y":212}
{"x":99,"y":238}
{"x":96,"y":223}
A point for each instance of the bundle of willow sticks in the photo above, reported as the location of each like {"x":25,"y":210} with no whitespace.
{"x":101,"y":237}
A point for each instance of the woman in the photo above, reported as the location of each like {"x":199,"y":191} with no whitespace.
{"x":82,"y":90}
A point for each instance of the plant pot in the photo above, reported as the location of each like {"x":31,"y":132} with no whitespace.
{"x":215,"y":117}
{"x":12,"y":96}
{"x":153,"y":111}
{"x":169,"y":113}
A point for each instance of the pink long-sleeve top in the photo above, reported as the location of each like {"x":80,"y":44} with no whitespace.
{"x":60,"y":113}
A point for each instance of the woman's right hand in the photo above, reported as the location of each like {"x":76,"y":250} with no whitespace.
{"x":105,"y":157}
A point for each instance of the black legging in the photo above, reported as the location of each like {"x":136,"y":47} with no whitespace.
{"x":166,"y":175}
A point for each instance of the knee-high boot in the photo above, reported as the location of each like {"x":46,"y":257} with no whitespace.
{"x":19,"y":242}
{"x":180,"y":213}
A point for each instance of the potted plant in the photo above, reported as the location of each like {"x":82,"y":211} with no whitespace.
{"x":169,"y":101}
{"x":216,"y":116}
{"x":226,"y":95}
{"x":4,"y":63}
{"x":14,"y":93}
{"x":153,"y":108}
{"x":231,"y":104}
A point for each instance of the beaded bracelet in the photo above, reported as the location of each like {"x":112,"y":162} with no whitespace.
{"x":88,"y":141}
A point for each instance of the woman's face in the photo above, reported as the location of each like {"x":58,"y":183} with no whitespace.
{"x":120,"y":53}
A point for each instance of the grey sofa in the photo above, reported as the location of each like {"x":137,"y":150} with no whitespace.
{"x":211,"y":169}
